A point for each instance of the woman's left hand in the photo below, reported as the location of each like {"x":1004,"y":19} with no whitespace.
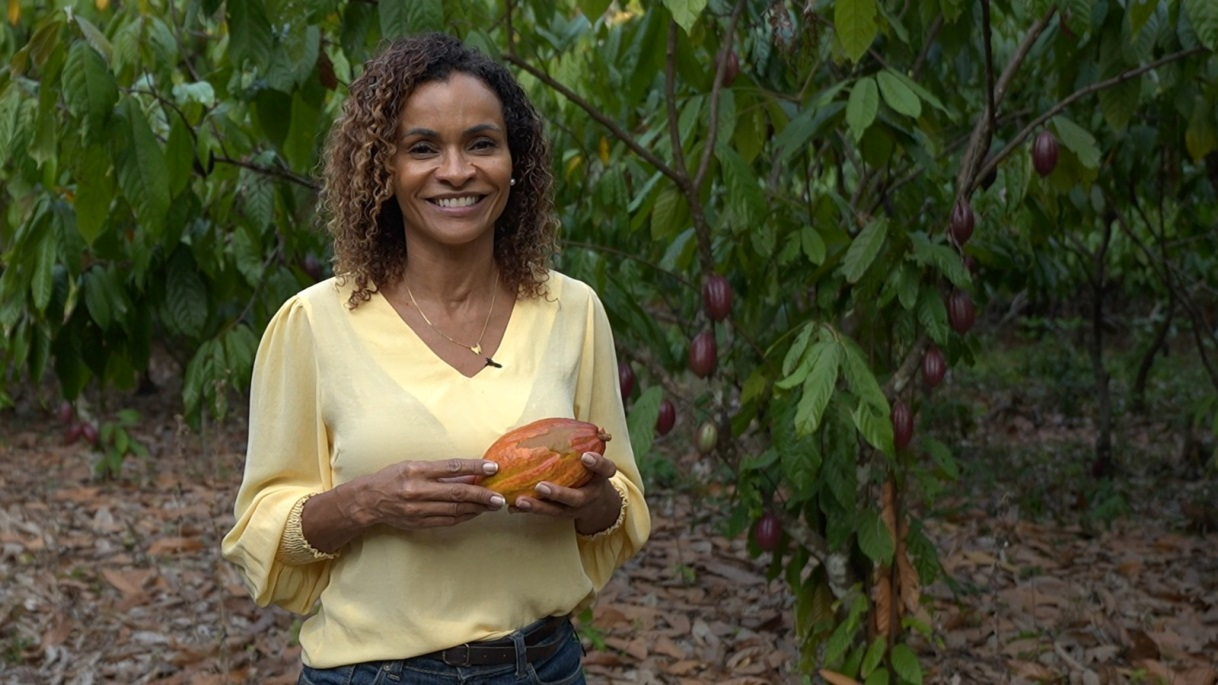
{"x":594,"y":506}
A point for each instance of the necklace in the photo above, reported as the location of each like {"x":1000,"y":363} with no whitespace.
{"x":476,"y":348}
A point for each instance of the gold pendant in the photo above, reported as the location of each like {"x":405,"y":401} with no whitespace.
{"x":476,"y":349}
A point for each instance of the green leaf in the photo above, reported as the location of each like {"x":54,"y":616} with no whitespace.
{"x":185,"y":296}
{"x":1201,"y":138}
{"x":94,"y":192}
{"x":855,"y":22}
{"x":818,"y":386}
{"x":899,"y":96}
{"x":905,"y":663}
{"x":250,"y":36}
{"x":1203,"y":16}
{"x":685,"y":12}
{"x":1139,"y":12}
{"x":95,"y":37}
{"x":594,"y":9}
{"x":795,"y":353}
{"x":670,"y":214}
{"x":879,"y":677}
{"x":103,"y":298}
{"x":42,"y":280}
{"x":862,"y":381}
{"x":641,"y":422}
{"x":1119,"y":103}
{"x":179,"y":156}
{"x":932,"y":314}
{"x":141,"y":167}
{"x":874,"y":538}
{"x":862,"y":107}
{"x":1079,"y":141}
{"x":874,"y":655}
{"x":88,"y":87}
{"x":813,"y":245}
{"x":745,"y":196}
{"x":945,"y":259}
{"x":864,"y":248}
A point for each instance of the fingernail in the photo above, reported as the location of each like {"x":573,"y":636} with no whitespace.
{"x":543,"y":489}
{"x":524,"y":505}
{"x":588,"y":458}
{"x":498,"y":501}
{"x":489,"y":468}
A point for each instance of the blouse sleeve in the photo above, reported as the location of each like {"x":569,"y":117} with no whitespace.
{"x":599,"y":400}
{"x":287,"y":458}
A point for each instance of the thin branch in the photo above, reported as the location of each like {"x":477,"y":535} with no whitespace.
{"x":1074,"y":97}
{"x":278,"y":172}
{"x":600,"y":117}
{"x":670,"y":106}
{"x":716,"y":88}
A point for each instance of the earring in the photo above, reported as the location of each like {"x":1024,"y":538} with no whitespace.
{"x":512,"y":182}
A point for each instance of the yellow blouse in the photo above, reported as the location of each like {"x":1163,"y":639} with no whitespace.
{"x":339,"y":393}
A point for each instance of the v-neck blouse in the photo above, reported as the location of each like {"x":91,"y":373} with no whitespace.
{"x":339,"y":393}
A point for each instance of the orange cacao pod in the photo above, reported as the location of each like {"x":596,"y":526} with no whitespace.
{"x":547,"y":449}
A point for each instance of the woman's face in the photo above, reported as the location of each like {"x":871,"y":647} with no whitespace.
{"x":452,"y":169}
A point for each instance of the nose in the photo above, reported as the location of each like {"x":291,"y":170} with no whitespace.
{"x":455,"y":168}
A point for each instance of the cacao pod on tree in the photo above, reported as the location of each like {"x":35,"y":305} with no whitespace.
{"x":717,"y":297}
{"x":768,"y":531}
{"x":703,"y":354}
{"x":1044,"y":152}
{"x":960,"y":311}
{"x":934,"y":366}
{"x":544,"y":450}
{"x":666,"y":419}
{"x":707,"y":438}
{"x":960,"y":227}
{"x":902,"y":425}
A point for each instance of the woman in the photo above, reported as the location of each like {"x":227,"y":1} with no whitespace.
{"x":375,"y":393}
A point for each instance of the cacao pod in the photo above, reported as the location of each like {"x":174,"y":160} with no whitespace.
{"x":960,"y":311}
{"x":717,"y":297}
{"x":666,"y":419}
{"x":90,"y":434}
{"x":768,"y":531}
{"x":703,"y":354}
{"x":934,"y":366}
{"x":625,"y":377}
{"x":1044,"y":152}
{"x":960,"y":227}
{"x":902,"y":425}
{"x":544,"y":450}
{"x":731,"y":69}
{"x":708,"y":437}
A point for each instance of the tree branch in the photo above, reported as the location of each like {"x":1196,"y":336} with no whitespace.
{"x":1074,"y":97}
{"x":600,"y":117}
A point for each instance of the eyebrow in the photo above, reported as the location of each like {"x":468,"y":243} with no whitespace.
{"x":428,"y":133}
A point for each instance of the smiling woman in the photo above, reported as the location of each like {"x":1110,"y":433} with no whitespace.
{"x":375,"y":393}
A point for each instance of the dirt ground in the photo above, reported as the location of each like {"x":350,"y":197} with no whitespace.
{"x":120,"y":581}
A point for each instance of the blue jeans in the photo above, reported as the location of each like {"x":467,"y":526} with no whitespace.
{"x":564,"y":667}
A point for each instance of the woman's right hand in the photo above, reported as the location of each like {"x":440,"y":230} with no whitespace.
{"x":408,"y":495}
{"x":429,"y":494}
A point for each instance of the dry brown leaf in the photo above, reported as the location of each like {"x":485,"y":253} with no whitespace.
{"x":834,"y":678}
{"x":174,"y":545}
{"x":128,"y":581}
{"x":881,"y":595}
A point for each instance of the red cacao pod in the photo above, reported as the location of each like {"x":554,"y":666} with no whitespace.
{"x":970,"y":264}
{"x":707,"y":438}
{"x":960,"y":311}
{"x":902,"y":425}
{"x":768,"y":531}
{"x":90,"y":434}
{"x":934,"y":366}
{"x":666,"y":419}
{"x":717,"y":297}
{"x":703,"y":354}
{"x":1044,"y":152}
{"x":544,"y":450}
{"x":66,"y":412}
{"x":731,"y":69}
{"x":625,"y":377}
{"x":960,"y":227}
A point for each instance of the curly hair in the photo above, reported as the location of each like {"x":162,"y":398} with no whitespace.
{"x":357,"y":198}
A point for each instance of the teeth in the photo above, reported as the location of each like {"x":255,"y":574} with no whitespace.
{"x":450,"y":202}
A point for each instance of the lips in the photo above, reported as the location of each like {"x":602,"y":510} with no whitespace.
{"x":456,"y":202}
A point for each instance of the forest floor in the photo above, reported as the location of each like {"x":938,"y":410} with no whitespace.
{"x":1049,"y":577}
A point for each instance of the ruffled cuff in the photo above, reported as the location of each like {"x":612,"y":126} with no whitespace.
{"x":621,"y":516}
{"x":294,"y":549}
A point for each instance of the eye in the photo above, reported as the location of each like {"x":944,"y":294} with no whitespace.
{"x":420,"y":148}
{"x":483,"y":144}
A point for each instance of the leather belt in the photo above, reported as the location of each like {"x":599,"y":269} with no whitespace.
{"x":503,"y":650}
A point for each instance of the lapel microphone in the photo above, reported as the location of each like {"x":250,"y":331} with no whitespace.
{"x":492,"y":362}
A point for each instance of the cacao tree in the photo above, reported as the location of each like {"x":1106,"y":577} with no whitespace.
{"x":770,"y":197}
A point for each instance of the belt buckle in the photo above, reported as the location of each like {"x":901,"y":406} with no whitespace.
{"x":468,"y":653}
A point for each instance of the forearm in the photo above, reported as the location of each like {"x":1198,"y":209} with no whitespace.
{"x":333,"y":518}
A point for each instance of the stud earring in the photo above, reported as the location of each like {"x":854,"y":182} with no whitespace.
{"x":512,"y":182}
